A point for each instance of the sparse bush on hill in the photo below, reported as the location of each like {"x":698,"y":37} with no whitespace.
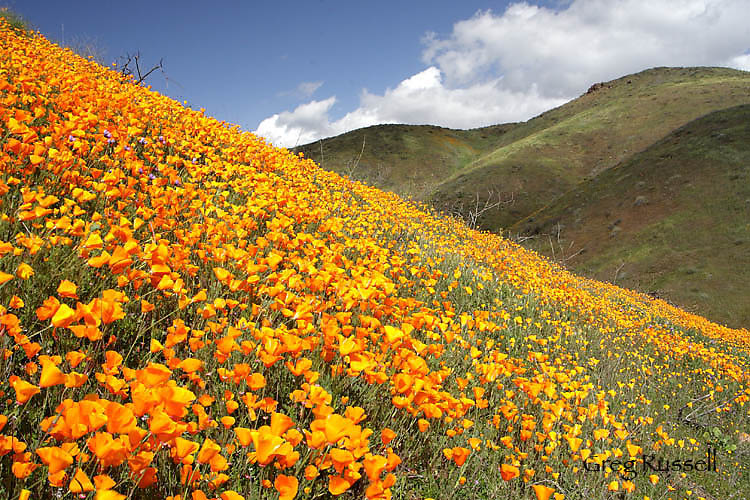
{"x":189,"y":313}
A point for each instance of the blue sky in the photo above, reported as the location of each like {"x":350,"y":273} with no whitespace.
{"x":298,"y":71}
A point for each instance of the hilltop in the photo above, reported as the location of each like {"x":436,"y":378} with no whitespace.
{"x":189,"y":313}
{"x":550,"y":154}
{"x":533,"y":162}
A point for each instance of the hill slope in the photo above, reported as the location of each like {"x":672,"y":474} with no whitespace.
{"x":409,"y":160}
{"x":533,"y":162}
{"x":598,"y":130}
{"x":673,"y":219}
{"x":187,"y":312}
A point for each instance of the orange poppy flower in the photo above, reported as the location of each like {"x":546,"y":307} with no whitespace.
{"x":51,"y":375}
{"x":231,"y":495}
{"x":47,"y":309}
{"x":256,"y":381}
{"x":280,"y":423}
{"x":311,"y":472}
{"x":80,"y":483}
{"x":267,"y":445}
{"x":74,"y":358}
{"x":374,"y":466}
{"x":108,"y":495}
{"x":63,"y":317}
{"x":67,"y":289}
{"x":509,"y":472}
{"x":387,"y":436}
{"x":93,"y":241}
{"x":286,"y":486}
{"x":153,"y":375}
{"x":208,"y":451}
{"x":337,"y":485}
{"x":24,"y":271}
{"x":103,"y":482}
{"x":22,"y":470}
{"x":55,"y":458}
{"x":190,"y":365}
{"x":24,"y":390}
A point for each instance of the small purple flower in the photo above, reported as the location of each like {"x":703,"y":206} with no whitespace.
{"x":151,"y":176}
{"x":127,"y":148}
{"x":177,"y":182}
{"x":71,"y":138}
{"x":142,"y":140}
{"x":195,"y":160}
{"x":111,"y":141}
{"x":140,"y":170}
{"x":107,"y":133}
{"x":161,"y":139}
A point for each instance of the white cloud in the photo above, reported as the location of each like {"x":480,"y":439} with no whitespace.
{"x":305,"y":124}
{"x":421,"y":99}
{"x":304,"y":90}
{"x":590,"y":40}
{"x":740,"y":62}
{"x":308,"y":88}
{"x":510,"y":66}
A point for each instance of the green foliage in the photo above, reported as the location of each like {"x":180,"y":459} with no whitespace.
{"x":717,"y":438}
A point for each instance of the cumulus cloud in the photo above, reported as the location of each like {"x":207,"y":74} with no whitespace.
{"x":511,"y":66}
{"x":306,"y":123}
{"x":590,"y":40}
{"x":420,"y":99}
{"x":740,"y":62}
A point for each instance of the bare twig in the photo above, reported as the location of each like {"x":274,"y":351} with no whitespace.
{"x":356,"y":162}
{"x":352,"y":164}
{"x":566,"y":259}
{"x":130,"y":60}
{"x":617,"y":272}
{"x":471,"y":218}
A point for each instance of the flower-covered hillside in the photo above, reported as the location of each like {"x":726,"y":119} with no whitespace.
{"x":187,"y":312}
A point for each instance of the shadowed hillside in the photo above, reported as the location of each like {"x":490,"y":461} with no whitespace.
{"x":562,"y":147}
{"x":673,"y":220}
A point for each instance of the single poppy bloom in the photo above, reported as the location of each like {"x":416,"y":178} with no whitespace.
{"x":286,"y":486}
{"x":542,"y":492}
{"x":509,"y":472}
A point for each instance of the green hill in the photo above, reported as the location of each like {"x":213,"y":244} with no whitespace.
{"x":672,"y":220}
{"x":410,"y":160}
{"x":555,"y":151}
{"x":533,"y":162}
